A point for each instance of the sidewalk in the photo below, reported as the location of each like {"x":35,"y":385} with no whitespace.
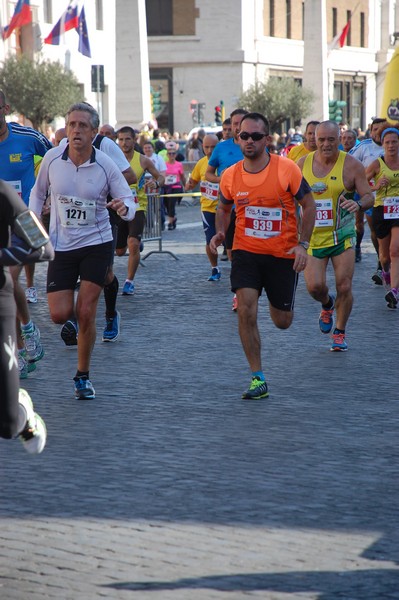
{"x":168,"y":486}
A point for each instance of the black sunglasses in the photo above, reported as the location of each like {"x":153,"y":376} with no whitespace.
{"x":255,"y":136}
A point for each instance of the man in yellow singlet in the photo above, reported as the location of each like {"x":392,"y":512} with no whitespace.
{"x":333,"y":176}
{"x":385,"y":173}
{"x":309,"y":145}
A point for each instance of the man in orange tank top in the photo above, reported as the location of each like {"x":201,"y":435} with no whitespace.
{"x":268,"y":252}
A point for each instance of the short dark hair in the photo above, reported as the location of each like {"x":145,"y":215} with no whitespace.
{"x":377,"y":121}
{"x":315,"y":123}
{"x":227,"y":121}
{"x":238,"y":111}
{"x":127,"y":129}
{"x":254,"y":116}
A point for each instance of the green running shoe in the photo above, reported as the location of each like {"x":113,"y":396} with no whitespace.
{"x":257,"y":389}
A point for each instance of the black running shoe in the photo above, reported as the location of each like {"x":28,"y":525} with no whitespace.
{"x":69,"y":333}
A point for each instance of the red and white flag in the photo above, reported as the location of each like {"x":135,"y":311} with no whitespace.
{"x":340,"y":38}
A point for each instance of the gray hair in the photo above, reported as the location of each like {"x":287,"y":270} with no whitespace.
{"x":85,"y":107}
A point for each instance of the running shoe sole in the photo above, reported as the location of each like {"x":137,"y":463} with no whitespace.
{"x":392,"y":301}
{"x":69,"y":334}
{"x":377,"y":279}
{"x":246,"y":396}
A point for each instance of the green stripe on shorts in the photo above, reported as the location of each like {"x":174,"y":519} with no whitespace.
{"x":333,"y":250}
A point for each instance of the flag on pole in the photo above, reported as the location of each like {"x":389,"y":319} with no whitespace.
{"x":22,"y":16}
{"x":69,"y":20}
{"x":340,"y":39}
{"x":84,"y":44}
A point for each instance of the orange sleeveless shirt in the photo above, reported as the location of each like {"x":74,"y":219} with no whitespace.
{"x":267,"y":212}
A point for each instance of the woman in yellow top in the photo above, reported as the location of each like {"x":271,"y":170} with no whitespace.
{"x":385,"y":173}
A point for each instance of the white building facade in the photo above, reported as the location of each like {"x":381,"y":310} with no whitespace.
{"x":207,"y":52}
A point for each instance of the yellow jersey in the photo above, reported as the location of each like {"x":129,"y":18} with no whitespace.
{"x":139,"y":186}
{"x":333,"y":224}
{"x":388,"y":197}
{"x":209,"y":191}
{"x":297,"y":152}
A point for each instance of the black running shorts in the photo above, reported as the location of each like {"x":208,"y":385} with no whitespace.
{"x":262,"y":271}
{"x":382,"y":227}
{"x":229,"y":237}
{"x":133,"y":228}
{"x":90,"y":263}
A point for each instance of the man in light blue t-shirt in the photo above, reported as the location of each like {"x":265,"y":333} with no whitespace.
{"x":225,"y":155}
{"x":229,"y":152}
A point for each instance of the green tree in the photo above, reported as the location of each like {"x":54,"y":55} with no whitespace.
{"x":278,"y":99}
{"x":40,"y":90}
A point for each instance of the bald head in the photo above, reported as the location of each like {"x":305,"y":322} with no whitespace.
{"x":59,"y":135}
{"x":108,"y":131}
{"x":208,"y":143}
{"x":328,"y":136}
{"x":330,"y":125}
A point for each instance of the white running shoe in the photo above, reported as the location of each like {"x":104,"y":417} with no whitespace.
{"x":34,"y":434}
{"x":31,"y":295}
{"x":24,"y":365}
{"x":33,"y":346}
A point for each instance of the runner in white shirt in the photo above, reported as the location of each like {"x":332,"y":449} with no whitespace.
{"x":80,"y":178}
{"x":111,"y":330}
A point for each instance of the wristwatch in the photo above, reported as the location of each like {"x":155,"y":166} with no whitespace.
{"x":359,"y":203}
{"x":304,"y":244}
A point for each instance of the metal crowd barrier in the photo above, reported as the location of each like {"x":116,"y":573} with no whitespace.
{"x":153,"y":227}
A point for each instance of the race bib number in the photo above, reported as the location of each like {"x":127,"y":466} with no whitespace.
{"x":263,"y":222}
{"x":391,"y":208}
{"x":209,"y":190}
{"x":324,"y":213}
{"x":170,"y":179}
{"x":76,"y":212}
{"x":17,"y":185}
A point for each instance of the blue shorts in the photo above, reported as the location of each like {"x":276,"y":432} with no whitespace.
{"x":208,"y":221}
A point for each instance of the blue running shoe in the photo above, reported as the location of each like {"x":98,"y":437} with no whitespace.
{"x":128,"y":289}
{"x":216,"y":274}
{"x":69,"y":333}
{"x":84,"y":389}
{"x":112,"y":328}
{"x":326,"y":317}
{"x":339,"y":344}
{"x":257,"y":389}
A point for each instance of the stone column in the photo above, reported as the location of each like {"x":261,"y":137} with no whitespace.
{"x":133,"y":105}
{"x":315,"y":74}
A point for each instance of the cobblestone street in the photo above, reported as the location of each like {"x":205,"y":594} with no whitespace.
{"x":168,"y":486}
